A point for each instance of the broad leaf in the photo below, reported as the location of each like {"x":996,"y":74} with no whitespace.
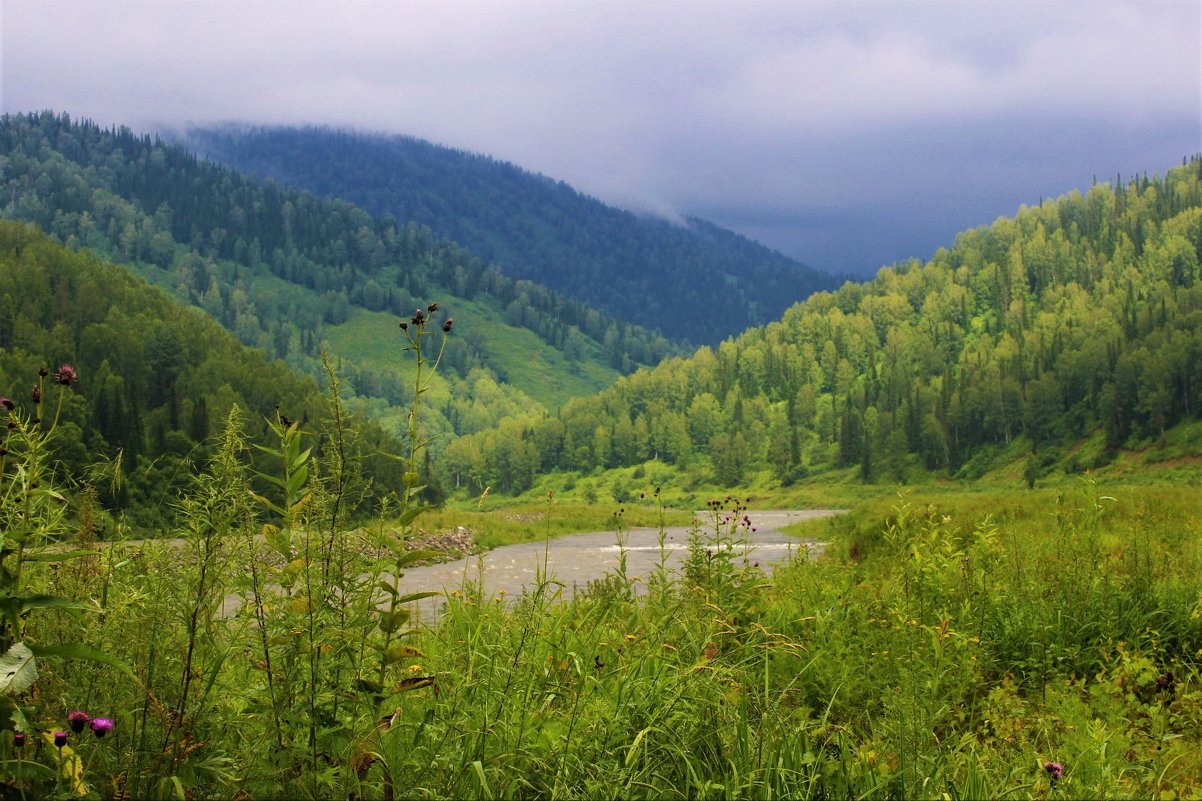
{"x":417,"y":596}
{"x":18,"y":670}
{"x":409,"y":557}
{"x":412,"y":514}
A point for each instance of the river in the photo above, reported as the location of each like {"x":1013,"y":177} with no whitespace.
{"x":578,"y":559}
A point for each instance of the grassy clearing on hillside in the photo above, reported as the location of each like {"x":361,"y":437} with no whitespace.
{"x":526,"y":362}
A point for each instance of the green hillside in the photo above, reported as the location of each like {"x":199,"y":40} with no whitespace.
{"x":1059,"y":339}
{"x":285,"y":270}
{"x":536,"y":228}
{"x":155,"y":381}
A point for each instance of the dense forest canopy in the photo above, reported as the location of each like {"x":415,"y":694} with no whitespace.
{"x":1078,"y":316}
{"x":691,"y":281}
{"x":156,"y":381}
{"x":286,"y":270}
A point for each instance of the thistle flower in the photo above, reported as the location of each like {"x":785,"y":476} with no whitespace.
{"x":446,"y":327}
{"x":1054,"y":770}
{"x":60,"y":738}
{"x":18,"y":739}
{"x":43,"y":372}
{"x":101,"y":726}
{"x":77,"y":719}
{"x":36,"y":394}
{"x":404,"y":325}
{"x":66,"y":375}
{"x":7,"y":404}
{"x":419,"y":318}
{"x":433,"y":307}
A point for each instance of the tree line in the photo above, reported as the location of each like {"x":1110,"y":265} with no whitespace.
{"x":1076,"y":317}
{"x":156,"y":381}
{"x":276,"y":266}
{"x":536,"y":228}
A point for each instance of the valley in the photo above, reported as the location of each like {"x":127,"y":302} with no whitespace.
{"x":232,"y":406}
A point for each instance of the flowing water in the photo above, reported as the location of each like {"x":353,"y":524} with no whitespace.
{"x":577,"y":560}
{"x":580,"y":559}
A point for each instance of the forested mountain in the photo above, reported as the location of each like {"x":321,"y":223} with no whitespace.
{"x":1077,"y":319}
{"x":154,"y":381}
{"x":286,"y":270}
{"x":694,"y":282}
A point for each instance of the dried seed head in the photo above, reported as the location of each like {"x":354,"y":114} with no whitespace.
{"x":446,"y":327}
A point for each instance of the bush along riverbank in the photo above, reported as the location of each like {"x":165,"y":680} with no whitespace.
{"x":1035,"y":645}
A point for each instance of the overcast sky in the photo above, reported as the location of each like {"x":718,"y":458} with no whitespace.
{"x":847,"y":134}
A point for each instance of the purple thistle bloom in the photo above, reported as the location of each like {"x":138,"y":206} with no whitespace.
{"x":77,"y":719}
{"x":7,"y":404}
{"x":18,"y":739}
{"x":1055,"y":770}
{"x":60,"y":738}
{"x":101,"y":726}
{"x":66,"y":375}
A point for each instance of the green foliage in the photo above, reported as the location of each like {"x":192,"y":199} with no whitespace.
{"x":667,"y":276}
{"x":284,"y":270}
{"x":973,"y":646}
{"x":155,"y":378}
{"x":1078,"y":318}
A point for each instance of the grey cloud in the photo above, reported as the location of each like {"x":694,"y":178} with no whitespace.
{"x":784,"y":119}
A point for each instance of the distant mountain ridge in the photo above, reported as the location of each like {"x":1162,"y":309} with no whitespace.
{"x":699,"y":282}
{"x":287,"y":271}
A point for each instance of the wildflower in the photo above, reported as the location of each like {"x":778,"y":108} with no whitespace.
{"x":101,"y":726}
{"x":1055,"y":770}
{"x":36,"y":394}
{"x":18,"y":739}
{"x":77,"y":719}
{"x":43,"y":372}
{"x":630,"y":637}
{"x":446,"y":327}
{"x":60,"y":739}
{"x":433,"y":307}
{"x":415,"y":668}
{"x":66,"y":375}
{"x":404,"y":325}
{"x":6,"y":403}
{"x":419,"y":318}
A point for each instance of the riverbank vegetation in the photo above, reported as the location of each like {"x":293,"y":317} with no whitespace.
{"x":1040,"y":644}
{"x":1029,"y":644}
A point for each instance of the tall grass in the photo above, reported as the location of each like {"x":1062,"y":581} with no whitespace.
{"x":1037,"y":644}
